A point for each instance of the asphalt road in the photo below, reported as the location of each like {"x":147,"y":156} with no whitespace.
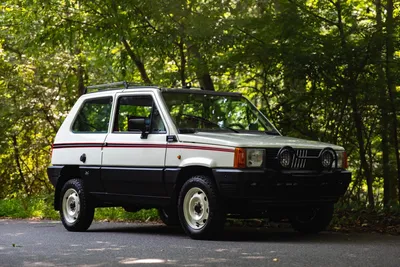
{"x":47,"y":243}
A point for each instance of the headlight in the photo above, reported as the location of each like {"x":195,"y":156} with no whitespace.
{"x":285,"y":157}
{"x":342,"y":159}
{"x":255,"y":157}
{"x":248,"y":158}
{"x":327,"y":159}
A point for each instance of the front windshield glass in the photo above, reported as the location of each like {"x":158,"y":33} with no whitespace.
{"x":194,"y":112}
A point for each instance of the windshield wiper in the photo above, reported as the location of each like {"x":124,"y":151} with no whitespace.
{"x":272,"y":132}
{"x":229,"y":128}
{"x":186,"y":130}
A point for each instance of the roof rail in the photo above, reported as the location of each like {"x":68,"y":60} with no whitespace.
{"x":114,"y":86}
{"x":107,"y":86}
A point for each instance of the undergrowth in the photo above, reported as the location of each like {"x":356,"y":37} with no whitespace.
{"x":41,"y":207}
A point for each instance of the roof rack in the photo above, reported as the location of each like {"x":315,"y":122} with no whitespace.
{"x":114,"y":86}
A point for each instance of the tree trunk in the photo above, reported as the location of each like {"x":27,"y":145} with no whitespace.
{"x":391,"y":86}
{"x":387,"y":185}
{"x":350,"y":86}
{"x":18,"y":163}
{"x":182,"y":70}
{"x":139,"y":64}
{"x":81,"y":81}
{"x":201,"y":68}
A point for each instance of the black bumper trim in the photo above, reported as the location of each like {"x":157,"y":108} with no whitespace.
{"x":53,"y":172}
{"x":282,"y":187}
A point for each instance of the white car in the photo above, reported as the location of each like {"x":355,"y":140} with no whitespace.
{"x":198,"y":156}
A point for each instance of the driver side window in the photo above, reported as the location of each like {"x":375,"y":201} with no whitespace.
{"x":137,"y":107}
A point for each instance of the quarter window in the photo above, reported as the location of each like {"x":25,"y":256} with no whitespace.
{"x":94,"y":116}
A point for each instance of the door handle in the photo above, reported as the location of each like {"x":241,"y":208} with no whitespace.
{"x":83,"y":158}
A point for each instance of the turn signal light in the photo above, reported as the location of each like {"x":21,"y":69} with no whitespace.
{"x":345,"y":163}
{"x":239,"y":158}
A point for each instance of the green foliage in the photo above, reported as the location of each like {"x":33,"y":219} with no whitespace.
{"x":326,"y":70}
{"x":41,"y":207}
{"x":119,"y":214}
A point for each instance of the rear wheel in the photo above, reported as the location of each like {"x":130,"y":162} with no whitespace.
{"x":200,"y":209}
{"x":76,"y":210}
{"x":313,"y":220}
{"x":169,"y":216}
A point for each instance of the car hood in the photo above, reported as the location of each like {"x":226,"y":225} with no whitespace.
{"x":252,"y":140}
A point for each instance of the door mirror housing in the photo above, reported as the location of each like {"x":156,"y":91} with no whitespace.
{"x":139,"y":124}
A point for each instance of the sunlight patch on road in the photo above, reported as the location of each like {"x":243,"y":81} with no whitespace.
{"x":141,"y":261}
{"x":254,"y":257}
{"x":16,"y":234}
{"x":102,"y":249}
{"x":39,"y":263}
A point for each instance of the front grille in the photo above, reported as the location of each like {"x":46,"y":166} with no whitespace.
{"x":298,"y":162}
{"x":305,"y":159}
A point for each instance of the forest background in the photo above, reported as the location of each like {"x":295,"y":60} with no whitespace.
{"x":325,"y":70}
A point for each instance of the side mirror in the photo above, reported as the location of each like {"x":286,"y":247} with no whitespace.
{"x":139,"y":124}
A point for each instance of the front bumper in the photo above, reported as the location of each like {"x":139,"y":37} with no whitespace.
{"x":281,"y":188}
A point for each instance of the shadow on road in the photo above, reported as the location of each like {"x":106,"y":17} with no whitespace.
{"x":248,"y":234}
{"x":139,"y":229}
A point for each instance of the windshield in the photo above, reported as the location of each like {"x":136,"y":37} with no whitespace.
{"x":194,"y":112}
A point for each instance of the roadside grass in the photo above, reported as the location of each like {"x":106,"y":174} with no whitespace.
{"x":41,"y":207}
{"x":29,"y":207}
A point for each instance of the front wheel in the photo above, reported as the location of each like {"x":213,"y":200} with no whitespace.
{"x":313,"y":220}
{"x":200,"y":208}
{"x":76,"y":210}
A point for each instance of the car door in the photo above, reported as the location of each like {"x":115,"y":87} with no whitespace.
{"x":133,"y":163}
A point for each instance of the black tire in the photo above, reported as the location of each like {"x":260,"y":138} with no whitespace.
{"x":169,"y":216}
{"x":201,"y":191}
{"x":75,"y":199}
{"x":313,"y":220}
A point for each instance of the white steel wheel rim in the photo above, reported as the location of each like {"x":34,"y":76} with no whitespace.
{"x":71,"y":205}
{"x":196,"y":208}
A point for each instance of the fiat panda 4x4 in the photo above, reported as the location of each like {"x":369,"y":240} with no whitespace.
{"x":197,"y":156}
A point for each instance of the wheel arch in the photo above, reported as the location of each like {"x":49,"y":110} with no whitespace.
{"x":67,"y":173}
{"x":186,"y":173}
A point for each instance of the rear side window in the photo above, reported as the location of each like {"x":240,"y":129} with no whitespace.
{"x":94,"y":116}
